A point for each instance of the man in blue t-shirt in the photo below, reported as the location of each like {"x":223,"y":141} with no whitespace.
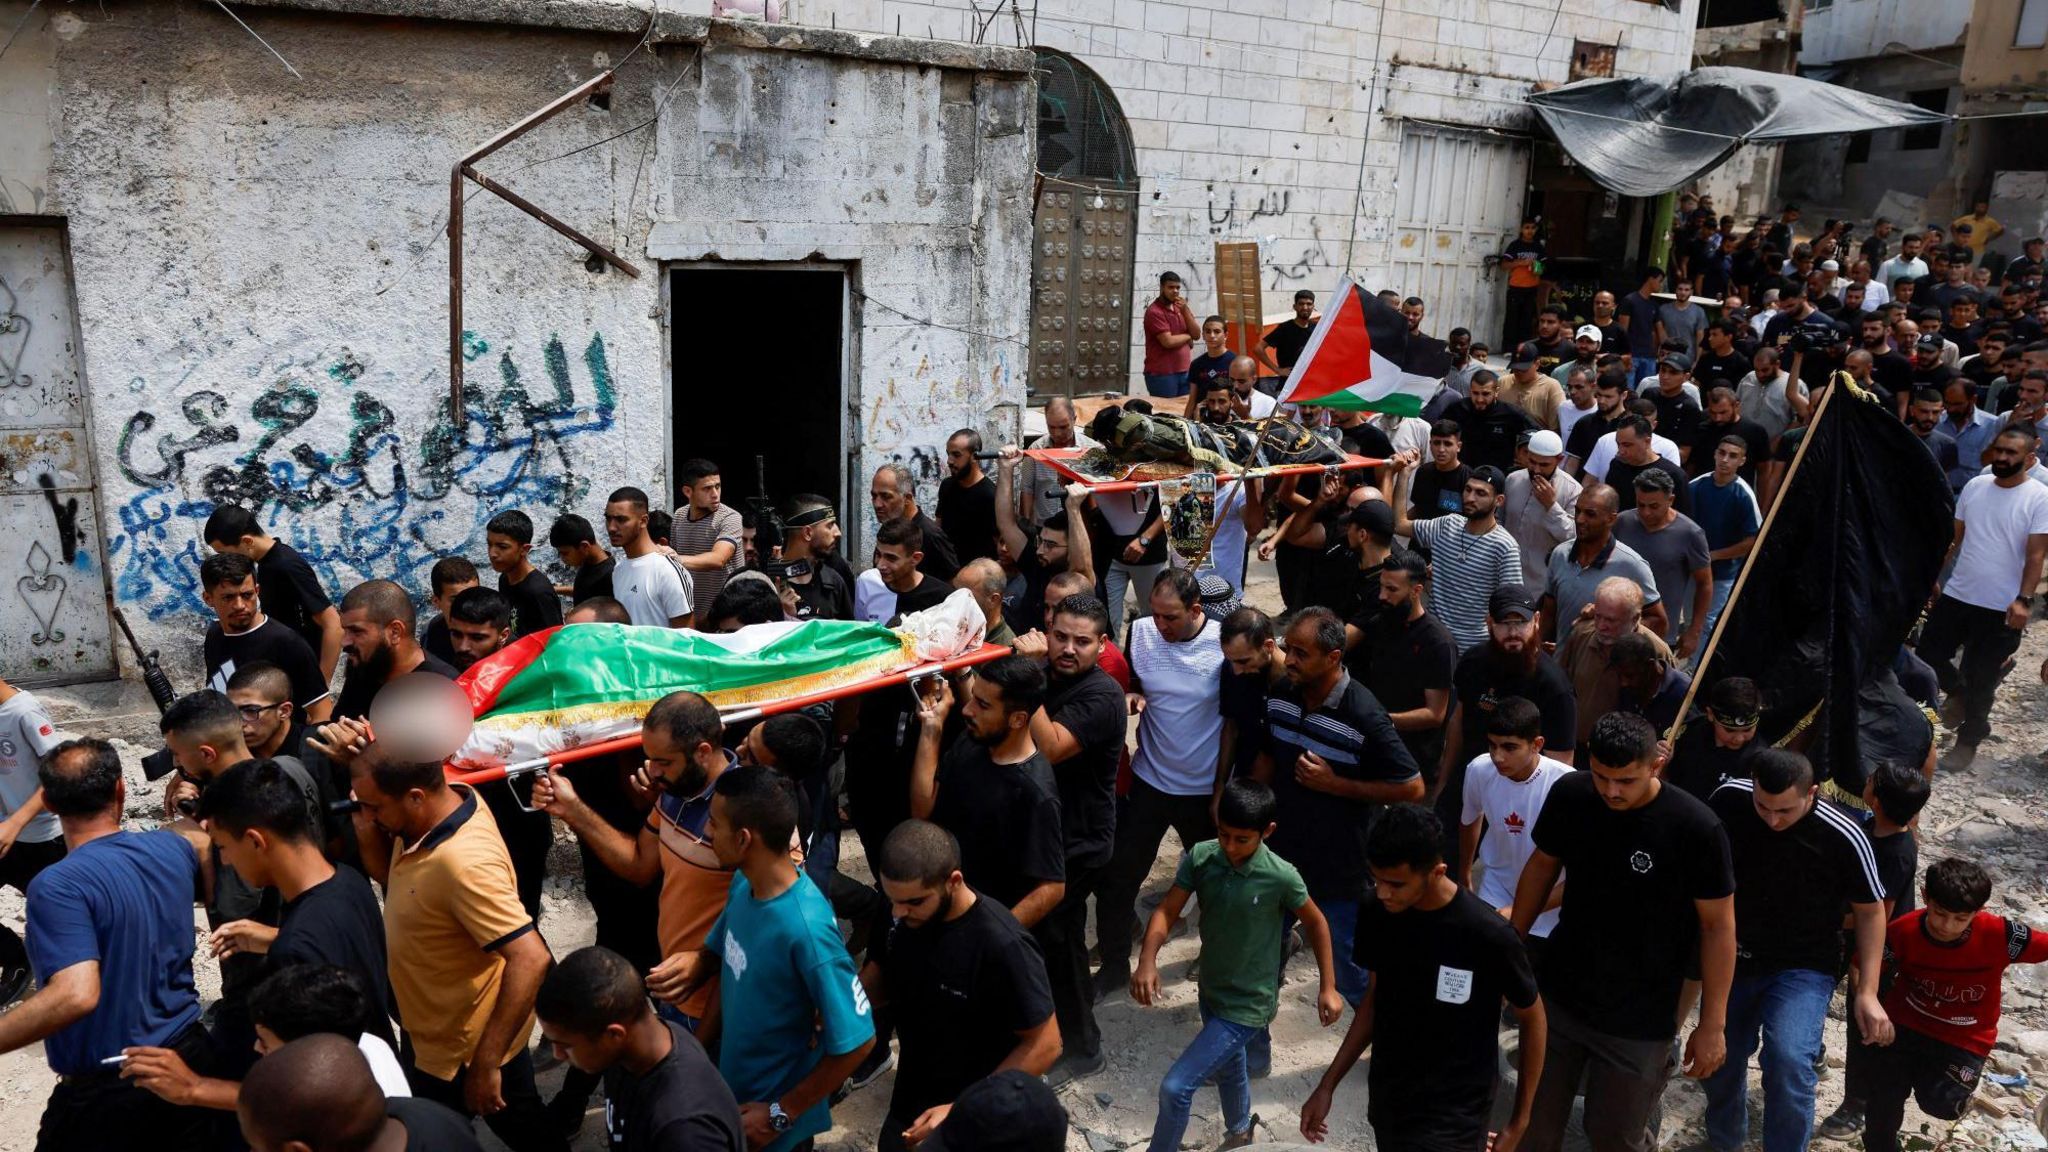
{"x":110,"y":939}
{"x":1725,"y":508}
{"x":795,"y":1021}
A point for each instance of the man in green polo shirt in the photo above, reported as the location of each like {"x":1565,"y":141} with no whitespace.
{"x":1245,"y":891}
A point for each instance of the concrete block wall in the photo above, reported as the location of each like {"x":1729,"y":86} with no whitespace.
{"x":1247,"y":115}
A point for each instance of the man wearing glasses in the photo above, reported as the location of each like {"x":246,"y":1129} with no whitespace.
{"x":683,"y":738}
{"x":262,"y":693}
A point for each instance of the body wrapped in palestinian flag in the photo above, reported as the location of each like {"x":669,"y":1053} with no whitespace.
{"x":583,"y":684}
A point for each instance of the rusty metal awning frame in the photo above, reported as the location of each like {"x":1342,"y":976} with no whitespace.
{"x":465,"y":170}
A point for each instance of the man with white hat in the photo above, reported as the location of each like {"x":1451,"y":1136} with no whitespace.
{"x":1586,"y":343}
{"x":1542,"y":500}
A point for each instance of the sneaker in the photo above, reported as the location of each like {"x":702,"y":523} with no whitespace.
{"x":1844,"y":1123}
{"x":15,"y":974}
{"x":1240,"y":1139}
{"x":1958,"y":758}
{"x":869,"y":1070}
{"x":1073,"y":1067}
{"x":1952,"y":711}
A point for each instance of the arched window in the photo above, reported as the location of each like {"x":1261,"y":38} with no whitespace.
{"x":1085,"y":227}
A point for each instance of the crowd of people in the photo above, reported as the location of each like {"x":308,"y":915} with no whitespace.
{"x":1460,"y":772}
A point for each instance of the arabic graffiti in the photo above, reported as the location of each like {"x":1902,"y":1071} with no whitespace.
{"x":371,"y":495}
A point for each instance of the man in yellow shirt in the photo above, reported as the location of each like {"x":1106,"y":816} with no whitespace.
{"x":1978,"y":229}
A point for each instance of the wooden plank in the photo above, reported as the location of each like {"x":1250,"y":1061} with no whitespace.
{"x":1238,"y":296}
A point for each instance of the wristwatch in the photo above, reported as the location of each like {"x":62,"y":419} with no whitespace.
{"x":777,"y":1118}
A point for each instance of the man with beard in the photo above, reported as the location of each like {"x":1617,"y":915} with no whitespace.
{"x":1527,"y":388}
{"x":479,"y":623}
{"x":1636,"y":452}
{"x":1472,"y":554}
{"x":1427,"y":355}
{"x":1718,"y":748}
{"x":1539,"y":508}
{"x":960,"y":977}
{"x":1586,"y":653}
{"x":2001,"y":540}
{"x":1970,"y":427}
{"x":1578,"y":566}
{"x":1586,"y":349}
{"x":1770,"y":396}
{"x":1511,"y":663}
{"x":1345,"y":575}
{"x":377,"y":641}
{"x":1613,"y":336}
{"x":1061,"y":542}
{"x":1893,"y":372}
{"x":1491,"y":426}
{"x":1550,"y":346}
{"x":1802,"y":333}
{"x":1080,"y":731}
{"x":1924,"y":418}
{"x":1405,"y":656}
{"x":1610,"y":403}
{"x":243,"y":635}
{"x":815,"y":576}
{"x":682,"y":737}
{"x":967,"y":499}
{"x":893,"y":495}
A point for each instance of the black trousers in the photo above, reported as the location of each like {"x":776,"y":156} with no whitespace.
{"x":1141,"y":826}
{"x":1968,"y":647}
{"x":100,"y":1110}
{"x":1063,"y":937}
{"x":527,"y":836}
{"x":523,"y":1124}
{"x":1940,"y":1077}
{"x":1520,"y":323}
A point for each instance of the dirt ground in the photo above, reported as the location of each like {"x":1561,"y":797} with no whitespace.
{"x":1996,"y":811}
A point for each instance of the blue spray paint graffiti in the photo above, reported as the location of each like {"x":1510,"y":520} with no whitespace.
{"x":386,"y":504}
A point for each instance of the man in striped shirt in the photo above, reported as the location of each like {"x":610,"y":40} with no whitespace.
{"x":1470,"y":555}
{"x":1801,"y":864}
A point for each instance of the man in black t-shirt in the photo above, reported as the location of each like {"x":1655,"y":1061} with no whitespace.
{"x":292,"y":593}
{"x":535,"y":607}
{"x":1678,"y":415}
{"x":479,"y":623}
{"x":1252,"y":669}
{"x":994,"y":791}
{"x":1725,"y":418}
{"x":1405,"y":657}
{"x":1081,"y":732}
{"x":1801,"y":865}
{"x":1651,"y":890}
{"x":318,"y":1092}
{"x":378,"y":643}
{"x":449,"y":578}
{"x":1635,"y":452}
{"x":962,"y":981}
{"x":1611,"y":395}
{"x":1280,"y":348}
{"x":967,"y":499}
{"x":810,"y":531}
{"x":1717,"y":747}
{"x":662,"y":1092}
{"x":1801,"y":331}
{"x":245,"y":635}
{"x":575,"y":541}
{"x":1441,"y":963}
{"x":1491,"y":426}
{"x":1439,"y":490}
{"x":893,"y":495}
{"x":1061,"y":543}
{"x":1722,"y":358}
{"x":1512,"y":662}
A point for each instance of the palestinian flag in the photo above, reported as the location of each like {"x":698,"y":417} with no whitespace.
{"x":1358,"y":359}
{"x":585,"y":683}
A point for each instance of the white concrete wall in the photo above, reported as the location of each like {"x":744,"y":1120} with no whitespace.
{"x":1856,"y":29}
{"x":262,"y":285}
{"x":1247,"y":115}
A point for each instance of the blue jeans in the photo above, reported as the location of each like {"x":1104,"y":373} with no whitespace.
{"x":1722,"y":586}
{"x":1786,"y":1011}
{"x":1167,"y":384}
{"x":1217,"y":1050}
{"x":1641,"y":368}
{"x":1342,"y":917}
{"x":670,"y":1012}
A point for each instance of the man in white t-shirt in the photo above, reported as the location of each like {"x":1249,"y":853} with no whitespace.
{"x":1504,"y":792}
{"x":1604,"y":449}
{"x":2000,"y":543}
{"x":1579,"y":401}
{"x":1176,"y":657}
{"x":651,"y":583}
{"x":30,"y":839}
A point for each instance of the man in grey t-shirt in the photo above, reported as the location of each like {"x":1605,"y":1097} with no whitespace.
{"x":1675,"y":548}
{"x":1682,"y":320}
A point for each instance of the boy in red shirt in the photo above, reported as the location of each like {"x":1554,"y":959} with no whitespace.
{"x":1950,"y":959}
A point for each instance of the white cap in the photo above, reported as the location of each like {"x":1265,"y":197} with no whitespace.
{"x":1588,"y":331}
{"x":1830,"y":266}
{"x":1546,"y":443}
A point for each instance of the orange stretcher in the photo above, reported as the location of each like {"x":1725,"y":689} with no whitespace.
{"x":1152,"y":475}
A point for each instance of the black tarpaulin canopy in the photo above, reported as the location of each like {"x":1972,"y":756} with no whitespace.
{"x":1645,"y":136}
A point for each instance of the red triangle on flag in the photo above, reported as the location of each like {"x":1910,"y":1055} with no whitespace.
{"x":1338,"y":354}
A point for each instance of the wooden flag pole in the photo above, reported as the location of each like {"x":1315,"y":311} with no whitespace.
{"x":1749,"y":562}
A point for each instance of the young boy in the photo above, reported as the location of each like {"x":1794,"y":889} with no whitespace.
{"x":1441,"y":960}
{"x":1948,"y":960}
{"x":450,"y":576}
{"x":1245,"y":892}
{"x":1895,"y":793}
{"x":535,"y":606}
{"x":1506,"y":788}
{"x":575,"y":541}
{"x":1212,"y":364}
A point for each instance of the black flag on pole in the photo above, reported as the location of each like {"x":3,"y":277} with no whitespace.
{"x":1846,"y":565}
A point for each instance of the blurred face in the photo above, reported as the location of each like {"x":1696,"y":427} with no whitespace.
{"x":898,"y":567}
{"x":1443,"y":451}
{"x":1073,"y":644}
{"x":1958,"y":401}
{"x":263,"y":719}
{"x":1528,"y":230}
{"x":1482,"y":395}
{"x":1625,"y":786}
{"x":1401,"y":887}
{"x":1728,"y":459}
{"x":473,"y":642}
{"x":1654,"y":509}
{"x":1212,"y":337}
{"x":1781,"y":810}
{"x":1247,"y":658}
{"x":988,"y":720}
{"x":1511,"y":636}
{"x":235,"y":604}
{"x":917,"y":905}
{"x":1177,"y":621}
{"x":1514,"y":756}
{"x":1307,"y":662}
{"x":1614,"y":618}
{"x":592,"y":1054}
{"x":887,"y":501}
{"x":1238,"y":844}
{"x":624,"y":523}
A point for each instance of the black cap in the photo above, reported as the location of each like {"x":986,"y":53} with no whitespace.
{"x":1513,"y":602}
{"x":1678,"y":360}
{"x":1522,"y":359}
{"x":1375,"y":516}
{"x":1929,"y":343}
{"x":1011,"y":1111}
{"x":1492,"y":476}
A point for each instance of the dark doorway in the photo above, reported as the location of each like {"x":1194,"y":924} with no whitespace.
{"x":778,"y":394}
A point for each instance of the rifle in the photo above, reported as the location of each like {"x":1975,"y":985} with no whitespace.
{"x":153,"y":677}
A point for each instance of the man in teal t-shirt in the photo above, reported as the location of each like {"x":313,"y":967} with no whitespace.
{"x":795,"y":1020}
{"x":1245,"y":892}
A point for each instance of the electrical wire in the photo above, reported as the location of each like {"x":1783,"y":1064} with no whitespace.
{"x":927,"y":322}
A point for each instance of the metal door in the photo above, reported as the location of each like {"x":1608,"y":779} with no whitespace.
{"x":1080,"y":282}
{"x":54,"y":627}
{"x":1457,"y":204}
